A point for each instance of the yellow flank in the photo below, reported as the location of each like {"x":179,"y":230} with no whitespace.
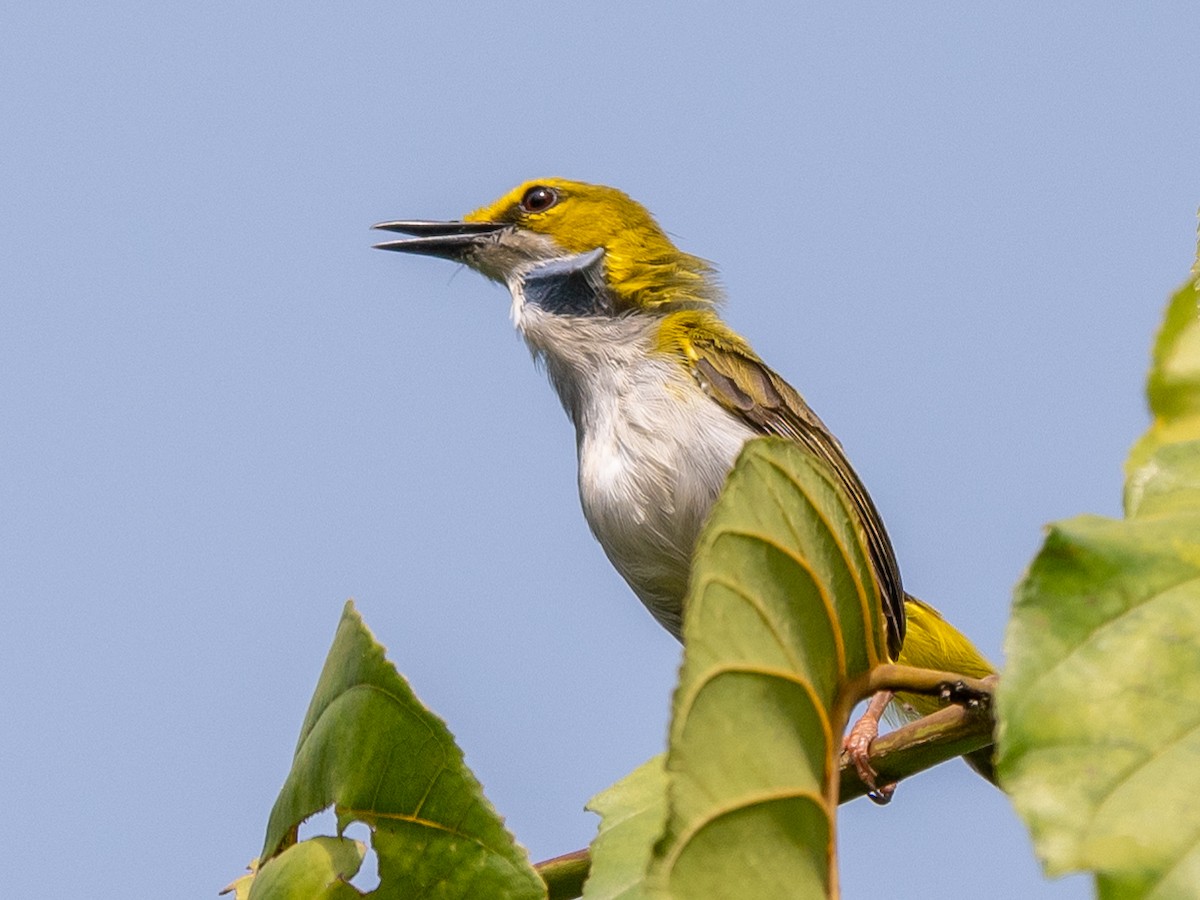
{"x":933,"y":643}
{"x":645,"y":270}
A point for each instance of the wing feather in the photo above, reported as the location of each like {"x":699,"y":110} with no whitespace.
{"x":735,"y":377}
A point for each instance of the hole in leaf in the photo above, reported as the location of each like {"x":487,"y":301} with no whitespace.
{"x":323,"y":823}
{"x":367,"y":878}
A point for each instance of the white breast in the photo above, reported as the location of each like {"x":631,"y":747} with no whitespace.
{"x":654,"y":449}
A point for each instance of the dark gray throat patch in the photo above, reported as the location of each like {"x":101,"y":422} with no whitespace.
{"x":573,"y":286}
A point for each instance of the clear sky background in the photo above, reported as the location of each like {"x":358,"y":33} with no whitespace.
{"x":952,"y":226}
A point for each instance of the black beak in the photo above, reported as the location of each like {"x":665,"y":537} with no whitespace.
{"x":448,"y":240}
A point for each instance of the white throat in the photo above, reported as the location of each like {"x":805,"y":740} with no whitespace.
{"x":654,"y":448}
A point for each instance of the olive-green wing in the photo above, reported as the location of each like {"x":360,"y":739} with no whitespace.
{"x":741,"y":382}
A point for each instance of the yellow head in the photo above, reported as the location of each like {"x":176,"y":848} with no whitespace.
{"x":552,"y":218}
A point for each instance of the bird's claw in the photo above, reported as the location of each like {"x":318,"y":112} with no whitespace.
{"x":882,"y":796}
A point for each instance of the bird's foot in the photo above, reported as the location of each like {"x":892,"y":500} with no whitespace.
{"x":857,"y":746}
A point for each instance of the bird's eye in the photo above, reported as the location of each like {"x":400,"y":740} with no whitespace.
{"x":539,"y":199}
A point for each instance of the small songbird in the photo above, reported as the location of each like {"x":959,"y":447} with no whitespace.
{"x":662,"y":393}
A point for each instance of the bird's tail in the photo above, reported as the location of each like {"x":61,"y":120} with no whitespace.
{"x":933,"y":643}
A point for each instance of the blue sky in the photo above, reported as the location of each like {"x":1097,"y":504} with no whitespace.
{"x":953,"y":228}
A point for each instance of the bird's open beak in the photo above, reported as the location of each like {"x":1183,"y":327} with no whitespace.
{"x":448,"y":240}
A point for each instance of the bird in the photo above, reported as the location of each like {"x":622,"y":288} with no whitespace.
{"x":663,"y":394}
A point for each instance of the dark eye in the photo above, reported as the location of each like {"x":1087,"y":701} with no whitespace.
{"x":539,"y":199}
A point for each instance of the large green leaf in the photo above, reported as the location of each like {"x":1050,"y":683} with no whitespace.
{"x":369,"y":748}
{"x":783,"y":615}
{"x":1100,"y":704}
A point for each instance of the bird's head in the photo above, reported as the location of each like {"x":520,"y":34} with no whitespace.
{"x":545,"y":233}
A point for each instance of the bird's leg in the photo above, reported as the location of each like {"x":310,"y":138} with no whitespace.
{"x":857,"y":745}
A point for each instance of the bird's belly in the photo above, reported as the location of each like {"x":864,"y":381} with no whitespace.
{"x":648,"y":476}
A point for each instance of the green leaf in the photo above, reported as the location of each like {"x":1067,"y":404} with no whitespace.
{"x":1172,"y":389}
{"x":632,"y":814}
{"x":783,"y":614}
{"x":316,"y":869}
{"x":1100,"y":704}
{"x":369,"y":748}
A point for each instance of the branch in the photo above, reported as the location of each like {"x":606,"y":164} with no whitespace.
{"x":910,"y":749}
{"x":564,"y":875}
